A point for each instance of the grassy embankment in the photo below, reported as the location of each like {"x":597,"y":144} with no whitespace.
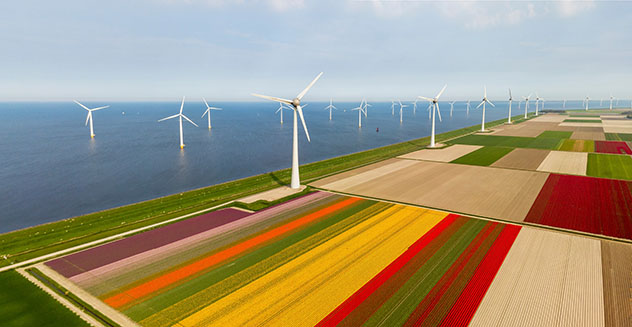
{"x":40,"y":240}
{"x":24,"y":304}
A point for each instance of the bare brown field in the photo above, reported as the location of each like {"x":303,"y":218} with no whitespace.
{"x":617,"y":282}
{"x":547,"y":279}
{"x":531,"y":129}
{"x":581,"y":135}
{"x":519,"y":158}
{"x":550,"y":118}
{"x":491,"y":192}
{"x":565,"y":162}
{"x":443,"y":155}
{"x":359,"y":176}
{"x":581,"y":124}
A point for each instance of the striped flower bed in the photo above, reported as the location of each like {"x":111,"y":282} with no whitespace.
{"x":321,"y":259}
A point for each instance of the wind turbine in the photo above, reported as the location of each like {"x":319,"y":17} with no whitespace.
{"x":468,"y":108}
{"x":586,"y":102}
{"x":537,"y":101}
{"x":483,"y":102}
{"x":611,"y":97}
{"x":564,"y":104}
{"x":296,"y":105}
{"x":434,"y":102}
{"x":366,"y":107}
{"x":89,"y":117}
{"x":330,"y":106}
{"x":392,"y":107}
{"x":360,"y":110}
{"x":452,"y":107}
{"x":600,"y":102}
{"x":208,"y":112}
{"x":415,"y":106}
{"x":401,"y":106}
{"x":280,"y":110}
{"x":526,"y":105}
{"x":180,"y":115}
{"x":510,"y":101}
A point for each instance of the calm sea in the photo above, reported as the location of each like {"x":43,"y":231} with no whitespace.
{"x":50,"y":169}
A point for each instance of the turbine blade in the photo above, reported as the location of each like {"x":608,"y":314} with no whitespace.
{"x":206,"y":103}
{"x":182,"y":105}
{"x":424,"y":98}
{"x":441,"y":92}
{"x":438,"y":111}
{"x":215,"y":108}
{"x":480,"y":104}
{"x":207,"y":110}
{"x":84,"y":107}
{"x":88,"y":117}
{"x":170,"y":117}
{"x":300,"y":114}
{"x":302,"y":94}
{"x":491,"y":103}
{"x":190,"y":121}
{"x":485,"y":86}
{"x":510,"y":93}
{"x":99,"y":108}
{"x":275,"y":99}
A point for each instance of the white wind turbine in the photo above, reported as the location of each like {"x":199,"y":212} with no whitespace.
{"x":526,"y":105}
{"x":89,"y":117}
{"x":452,"y":107}
{"x":330,"y":107}
{"x":280,"y":110}
{"x":180,"y":115}
{"x":361,"y":110}
{"x":401,"y":106}
{"x":537,"y":102}
{"x":296,"y":105}
{"x":393,"y":107}
{"x":434,"y":102}
{"x":208,"y":112}
{"x":564,"y":104}
{"x":600,"y":102}
{"x":611,"y":98}
{"x":366,"y":108}
{"x":415,"y":106}
{"x":510,"y":101}
{"x":468,"y":108}
{"x":586,"y":102}
{"x":483,"y":102}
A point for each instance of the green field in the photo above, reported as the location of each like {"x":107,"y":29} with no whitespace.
{"x":24,"y":304}
{"x":609,"y":166}
{"x":556,"y":134}
{"x":582,"y":120}
{"x":510,"y":141}
{"x":40,"y":240}
{"x":618,"y":137}
{"x":484,"y":156}
{"x":586,"y":115}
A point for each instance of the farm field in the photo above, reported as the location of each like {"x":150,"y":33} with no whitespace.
{"x":618,"y":137}
{"x":324,"y":259}
{"x":24,"y":304}
{"x":484,"y":156}
{"x":609,"y":166}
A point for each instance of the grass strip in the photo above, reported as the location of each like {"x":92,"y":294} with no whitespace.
{"x":556,"y":134}
{"x":44,"y":239}
{"x":509,"y":141}
{"x":582,"y":120}
{"x":484,"y":156}
{"x":586,"y":115}
{"x":24,"y":304}
{"x":609,"y":166}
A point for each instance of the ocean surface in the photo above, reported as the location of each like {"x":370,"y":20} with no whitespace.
{"x":50,"y":168}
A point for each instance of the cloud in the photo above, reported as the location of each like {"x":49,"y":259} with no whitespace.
{"x":569,"y":8}
{"x":276,"y":5}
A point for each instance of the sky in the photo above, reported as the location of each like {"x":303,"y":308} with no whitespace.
{"x":122,"y":50}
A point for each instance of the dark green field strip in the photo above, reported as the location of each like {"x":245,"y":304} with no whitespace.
{"x":556,"y":134}
{"x":40,"y":240}
{"x":396,"y":310}
{"x":24,"y":304}
{"x":582,"y":120}
{"x":545,"y":143}
{"x":484,"y":156}
{"x":618,"y":137}
{"x":280,"y":252}
{"x":586,"y":115}
{"x":609,"y":166}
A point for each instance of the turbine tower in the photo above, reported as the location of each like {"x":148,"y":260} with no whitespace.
{"x":434,"y":102}
{"x":415,"y":106}
{"x":180,"y":115}
{"x":564,"y":104}
{"x":537,"y":101}
{"x":401,"y":115}
{"x":468,"y":108}
{"x":361,"y":109}
{"x":296,"y":105}
{"x":611,"y":98}
{"x":330,"y":106}
{"x":483,"y":102}
{"x":393,"y":107}
{"x":452,"y":107}
{"x":89,"y":117}
{"x":510,"y":101}
{"x":586,"y":102}
{"x":208,"y":112}
{"x":526,"y":105}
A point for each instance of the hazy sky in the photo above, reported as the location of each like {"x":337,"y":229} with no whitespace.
{"x":225,"y":50}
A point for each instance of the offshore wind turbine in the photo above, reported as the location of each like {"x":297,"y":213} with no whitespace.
{"x":586,"y":102}
{"x":360,"y":110}
{"x":537,"y":101}
{"x":180,"y":116}
{"x":510,"y":101}
{"x":330,"y":107}
{"x":208,"y":112}
{"x":296,"y":105}
{"x":611,"y":97}
{"x":366,"y":107}
{"x":392,"y":107}
{"x":468,"y":108}
{"x":526,"y":105}
{"x":434,"y":102}
{"x":401,"y":115}
{"x":280,"y":110}
{"x":564,"y":104}
{"x":483,"y":102}
{"x":601,"y":102}
{"x":415,"y":106}
{"x":452,"y":107}
{"x":89,"y":117}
